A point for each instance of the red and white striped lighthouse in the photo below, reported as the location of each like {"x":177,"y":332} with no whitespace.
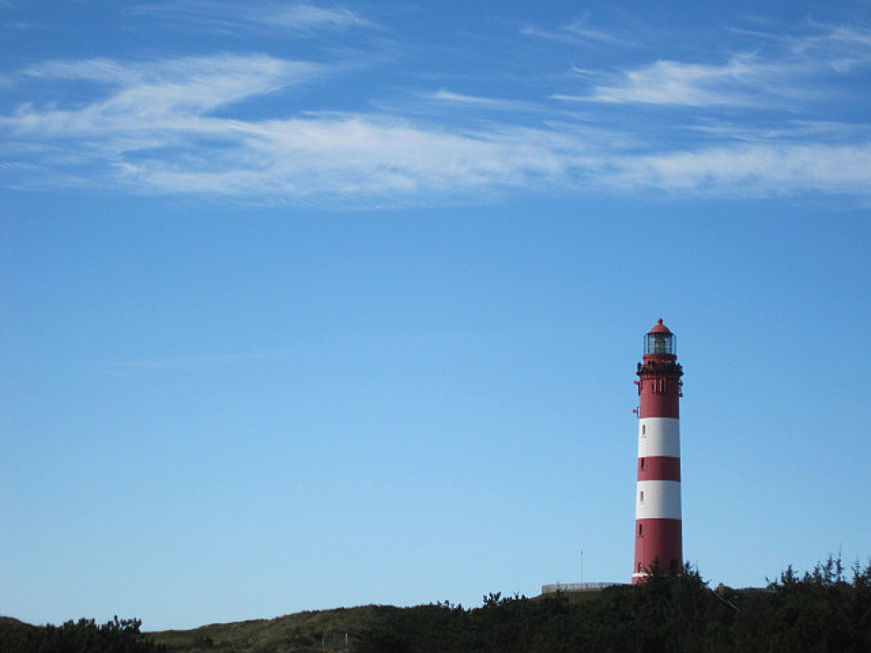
{"x":657,"y":496}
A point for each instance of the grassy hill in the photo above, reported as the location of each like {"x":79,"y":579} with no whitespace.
{"x":301,"y":632}
{"x":323,"y":630}
{"x":822,"y":610}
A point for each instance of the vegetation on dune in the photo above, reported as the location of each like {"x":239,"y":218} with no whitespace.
{"x":822,"y":610}
{"x":298,"y":633}
{"x":82,"y":636}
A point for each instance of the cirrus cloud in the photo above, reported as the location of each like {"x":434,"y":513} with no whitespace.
{"x":167,"y":126}
{"x":215,"y":15}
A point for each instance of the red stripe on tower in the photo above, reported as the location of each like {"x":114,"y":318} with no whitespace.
{"x":658,"y":540}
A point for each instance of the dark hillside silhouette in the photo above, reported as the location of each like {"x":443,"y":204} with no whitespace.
{"x":825,"y":609}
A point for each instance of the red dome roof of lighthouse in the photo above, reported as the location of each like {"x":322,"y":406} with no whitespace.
{"x":659,"y":327}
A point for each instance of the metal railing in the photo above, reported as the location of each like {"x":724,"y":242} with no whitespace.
{"x":575,"y":587}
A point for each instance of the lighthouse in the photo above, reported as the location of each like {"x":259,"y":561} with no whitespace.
{"x":657,"y":493}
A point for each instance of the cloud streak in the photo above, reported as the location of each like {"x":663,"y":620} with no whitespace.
{"x":168,"y":126}
{"x":742,"y":81}
{"x":752,"y":170}
{"x":801,"y":70}
{"x":577,"y":32}
{"x":697,"y":85}
{"x":168,"y":88}
{"x":298,"y":17}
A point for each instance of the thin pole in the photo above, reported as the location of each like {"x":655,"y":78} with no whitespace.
{"x":582,"y":565}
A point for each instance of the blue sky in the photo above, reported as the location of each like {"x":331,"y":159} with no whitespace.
{"x":311,"y":305}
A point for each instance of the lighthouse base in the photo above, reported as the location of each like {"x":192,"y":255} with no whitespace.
{"x":657,"y":544}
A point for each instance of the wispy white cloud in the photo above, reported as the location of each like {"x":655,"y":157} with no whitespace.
{"x":156,"y":128}
{"x":159,"y":95}
{"x":823,"y":38}
{"x":306,"y":17}
{"x":786,"y":131}
{"x":582,"y":30}
{"x":734,"y":83}
{"x":553,"y":35}
{"x":578,"y":32}
{"x":356,"y":156}
{"x":229,"y":16}
{"x":851,"y":36}
{"x":789,"y":68}
{"x":444,"y":96}
{"x":749,"y":170}
{"x":842,"y":48}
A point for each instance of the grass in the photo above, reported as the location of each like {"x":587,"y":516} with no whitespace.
{"x":302,"y":632}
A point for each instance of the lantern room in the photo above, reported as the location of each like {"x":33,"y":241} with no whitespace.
{"x":660,"y":340}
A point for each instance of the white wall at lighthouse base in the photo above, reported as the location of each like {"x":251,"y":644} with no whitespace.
{"x":657,"y":500}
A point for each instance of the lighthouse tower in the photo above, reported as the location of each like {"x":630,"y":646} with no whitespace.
{"x":657,"y":495}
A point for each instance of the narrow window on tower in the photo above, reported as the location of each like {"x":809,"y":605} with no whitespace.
{"x":644,"y":429}
{"x":641,"y":496}
{"x":641,"y":529}
{"x":642,"y":463}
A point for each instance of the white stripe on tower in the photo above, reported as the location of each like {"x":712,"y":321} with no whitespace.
{"x":658,"y":436}
{"x":657,"y":500}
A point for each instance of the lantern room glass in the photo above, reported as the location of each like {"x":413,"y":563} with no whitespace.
{"x":659,"y":343}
